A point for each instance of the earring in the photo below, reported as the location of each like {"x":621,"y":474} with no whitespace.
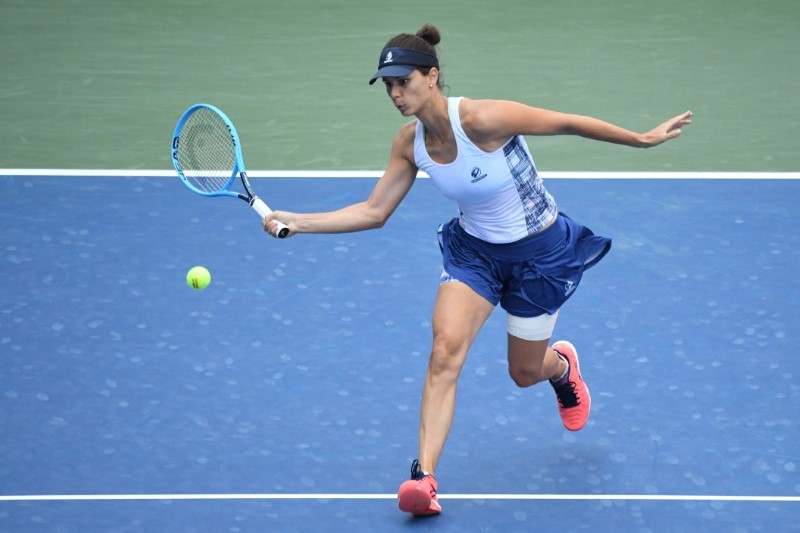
{"x":430,"y":86}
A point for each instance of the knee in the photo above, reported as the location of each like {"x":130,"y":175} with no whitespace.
{"x":447,"y":358}
{"x":527,"y":377}
{"x":529,"y":361}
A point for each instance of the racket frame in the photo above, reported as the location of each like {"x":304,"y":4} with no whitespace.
{"x":238,"y":166}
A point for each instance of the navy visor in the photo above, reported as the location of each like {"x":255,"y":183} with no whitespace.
{"x":397,"y":62}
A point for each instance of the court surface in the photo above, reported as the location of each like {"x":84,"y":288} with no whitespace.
{"x":285,"y":397}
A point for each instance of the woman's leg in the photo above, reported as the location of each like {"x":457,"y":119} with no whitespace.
{"x":458,"y":315}
{"x":531,"y":362}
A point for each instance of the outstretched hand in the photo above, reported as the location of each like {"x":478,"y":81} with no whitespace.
{"x":668,"y":130}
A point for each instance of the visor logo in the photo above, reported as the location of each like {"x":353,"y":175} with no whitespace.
{"x":388,"y":58}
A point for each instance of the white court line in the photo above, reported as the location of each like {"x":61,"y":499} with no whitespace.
{"x":517,"y":497}
{"x":71,"y":172}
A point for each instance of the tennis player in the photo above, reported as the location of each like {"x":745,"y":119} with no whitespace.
{"x":509,"y":245}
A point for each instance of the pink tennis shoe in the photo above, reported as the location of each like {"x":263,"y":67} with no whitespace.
{"x":418,"y":495}
{"x":574,"y":402}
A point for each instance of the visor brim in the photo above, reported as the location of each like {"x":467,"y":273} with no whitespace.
{"x":393,"y":71}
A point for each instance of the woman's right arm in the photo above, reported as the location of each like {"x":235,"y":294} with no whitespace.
{"x":370,"y":214}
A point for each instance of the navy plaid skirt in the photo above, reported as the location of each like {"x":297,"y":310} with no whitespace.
{"x":529,"y":277}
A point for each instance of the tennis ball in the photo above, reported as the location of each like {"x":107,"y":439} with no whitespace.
{"x":198,"y":278}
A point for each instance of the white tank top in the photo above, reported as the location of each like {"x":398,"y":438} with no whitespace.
{"x":500,"y":196}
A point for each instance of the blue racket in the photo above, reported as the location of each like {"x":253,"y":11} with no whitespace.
{"x":207,"y":155}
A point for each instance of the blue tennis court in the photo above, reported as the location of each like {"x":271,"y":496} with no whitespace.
{"x":285,"y":397}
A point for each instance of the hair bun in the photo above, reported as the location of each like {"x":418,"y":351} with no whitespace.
{"x":430,"y":34}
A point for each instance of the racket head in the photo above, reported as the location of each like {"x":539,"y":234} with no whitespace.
{"x":206,"y":151}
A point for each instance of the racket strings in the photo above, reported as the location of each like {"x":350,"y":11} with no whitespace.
{"x":206,"y":151}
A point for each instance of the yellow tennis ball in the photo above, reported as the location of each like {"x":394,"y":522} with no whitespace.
{"x":198,"y":278}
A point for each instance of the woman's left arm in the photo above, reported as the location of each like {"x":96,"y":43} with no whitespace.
{"x":498,"y":119}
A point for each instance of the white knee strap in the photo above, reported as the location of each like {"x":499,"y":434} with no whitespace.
{"x":537,"y":328}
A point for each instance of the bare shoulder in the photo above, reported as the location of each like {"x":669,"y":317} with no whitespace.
{"x":483,"y":120}
{"x":479,"y":112}
{"x":469,"y":110}
{"x":407,"y":131}
{"x":404,"y":141}
{"x":491,"y":121}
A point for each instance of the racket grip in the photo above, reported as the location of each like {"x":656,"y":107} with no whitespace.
{"x":263,"y":210}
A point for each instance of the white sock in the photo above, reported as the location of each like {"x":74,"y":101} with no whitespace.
{"x":566,"y":372}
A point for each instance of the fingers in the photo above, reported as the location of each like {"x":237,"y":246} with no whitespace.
{"x":267,"y":219}
{"x":674,"y":127}
{"x":668,"y":130}
{"x":272,"y":225}
{"x":681,"y":120}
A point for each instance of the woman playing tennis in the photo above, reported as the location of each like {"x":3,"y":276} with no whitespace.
{"x":508,"y":246}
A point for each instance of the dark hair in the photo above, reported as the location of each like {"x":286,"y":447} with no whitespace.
{"x":425,"y":40}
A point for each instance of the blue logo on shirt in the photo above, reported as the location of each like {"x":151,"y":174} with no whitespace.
{"x":476,"y":175}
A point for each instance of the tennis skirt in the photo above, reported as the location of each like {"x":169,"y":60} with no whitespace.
{"x":529,"y":277}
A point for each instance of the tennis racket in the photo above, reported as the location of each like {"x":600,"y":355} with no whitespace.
{"x":207,"y":155}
